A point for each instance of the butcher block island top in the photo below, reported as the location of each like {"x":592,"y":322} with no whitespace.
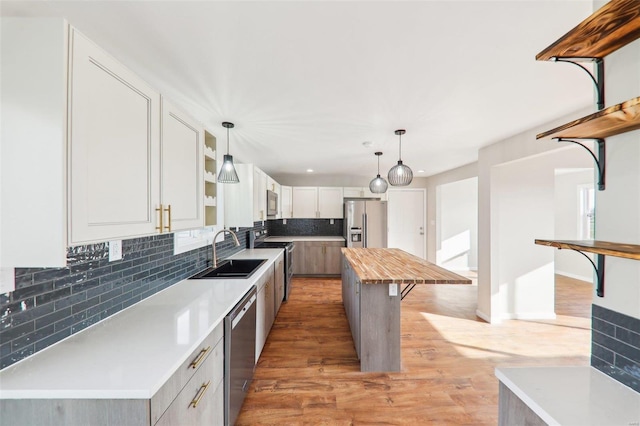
{"x":371,"y":294}
{"x":392,"y":265}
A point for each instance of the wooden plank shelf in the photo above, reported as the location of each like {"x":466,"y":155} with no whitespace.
{"x":611,"y":121}
{"x":611,"y":27}
{"x":600,"y":249}
{"x":627,"y":251}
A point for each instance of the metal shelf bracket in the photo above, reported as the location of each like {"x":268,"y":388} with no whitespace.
{"x":599,"y":271}
{"x":406,"y":290}
{"x":599,"y":159}
{"x":597,"y":78}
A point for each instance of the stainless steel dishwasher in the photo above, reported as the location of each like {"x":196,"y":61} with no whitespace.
{"x":239,"y":354}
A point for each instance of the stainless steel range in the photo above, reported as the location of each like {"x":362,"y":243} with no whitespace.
{"x":257,"y":240}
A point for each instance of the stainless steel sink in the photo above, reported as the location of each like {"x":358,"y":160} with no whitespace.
{"x":233,"y":268}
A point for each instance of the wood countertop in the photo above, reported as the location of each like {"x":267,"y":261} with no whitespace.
{"x":390,"y":265}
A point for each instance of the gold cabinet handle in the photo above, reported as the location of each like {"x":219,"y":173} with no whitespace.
{"x":200,"y":357}
{"x":168,"y":210}
{"x":160,"y":226}
{"x":203,"y":389}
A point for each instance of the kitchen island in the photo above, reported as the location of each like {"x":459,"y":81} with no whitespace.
{"x":371,"y":293}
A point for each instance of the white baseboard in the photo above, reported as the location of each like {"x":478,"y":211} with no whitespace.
{"x":529,"y":316}
{"x":483,"y":316}
{"x":588,"y":279}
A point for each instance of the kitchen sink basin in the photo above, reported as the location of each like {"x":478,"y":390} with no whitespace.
{"x":233,"y":268}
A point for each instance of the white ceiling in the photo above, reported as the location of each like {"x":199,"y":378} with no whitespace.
{"x":307,"y":82}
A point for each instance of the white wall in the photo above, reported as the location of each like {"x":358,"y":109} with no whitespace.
{"x":618,"y":206}
{"x":517,"y":147}
{"x":432,"y":182}
{"x":567,"y":181}
{"x":524,"y":208}
{"x":457,"y":225}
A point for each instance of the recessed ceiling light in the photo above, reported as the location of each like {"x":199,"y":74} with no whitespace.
{"x":309,"y":170}
{"x":367,"y":143}
{"x":420,"y":171}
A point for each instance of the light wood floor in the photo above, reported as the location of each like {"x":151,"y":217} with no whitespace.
{"x":309,"y":373}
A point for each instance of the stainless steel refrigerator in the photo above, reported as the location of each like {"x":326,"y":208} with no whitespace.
{"x":365,"y":223}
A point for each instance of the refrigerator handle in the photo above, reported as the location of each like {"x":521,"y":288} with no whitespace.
{"x":364,"y":230}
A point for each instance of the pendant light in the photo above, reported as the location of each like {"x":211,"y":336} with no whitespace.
{"x":400,"y":175}
{"x":228,"y":171}
{"x":378,"y":185}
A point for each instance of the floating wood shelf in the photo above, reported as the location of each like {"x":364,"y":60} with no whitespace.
{"x":628,"y":251}
{"x":601,"y":249}
{"x":611,"y":27}
{"x":611,"y":121}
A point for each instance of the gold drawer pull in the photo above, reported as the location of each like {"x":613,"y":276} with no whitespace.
{"x":200,"y":357}
{"x":200,"y":394}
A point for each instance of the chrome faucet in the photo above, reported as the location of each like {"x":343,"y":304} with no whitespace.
{"x":235,"y":239}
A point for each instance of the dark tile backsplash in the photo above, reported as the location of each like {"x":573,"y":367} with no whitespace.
{"x":615,"y":345}
{"x":49,"y":304}
{"x":305,"y":227}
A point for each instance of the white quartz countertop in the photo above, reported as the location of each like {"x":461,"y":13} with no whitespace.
{"x":281,"y":239}
{"x":578,"y":396}
{"x":132,"y":353}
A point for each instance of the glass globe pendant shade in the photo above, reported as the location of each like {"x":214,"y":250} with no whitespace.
{"x":228,"y":172}
{"x":400,"y":175}
{"x":378,"y":185}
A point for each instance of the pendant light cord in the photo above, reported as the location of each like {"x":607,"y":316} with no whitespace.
{"x":400,"y":148}
{"x":378,"y":164}
{"x":227,"y":141}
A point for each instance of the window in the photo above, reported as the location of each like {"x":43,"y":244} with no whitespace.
{"x":586,"y":212}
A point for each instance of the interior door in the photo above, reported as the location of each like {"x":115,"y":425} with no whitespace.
{"x":406,"y":211}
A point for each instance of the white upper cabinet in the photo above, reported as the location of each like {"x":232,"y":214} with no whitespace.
{"x":285,"y":200}
{"x":259,"y":195}
{"x":330,"y":203}
{"x":182,"y":142}
{"x":311,"y":202}
{"x":246,"y":202}
{"x":114,"y":148}
{"x":274,"y":186}
{"x":305,"y":202}
{"x":87,"y":155}
{"x":33,"y":219}
{"x":353,"y":192}
{"x":239,"y":198}
{"x":361,"y":192}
